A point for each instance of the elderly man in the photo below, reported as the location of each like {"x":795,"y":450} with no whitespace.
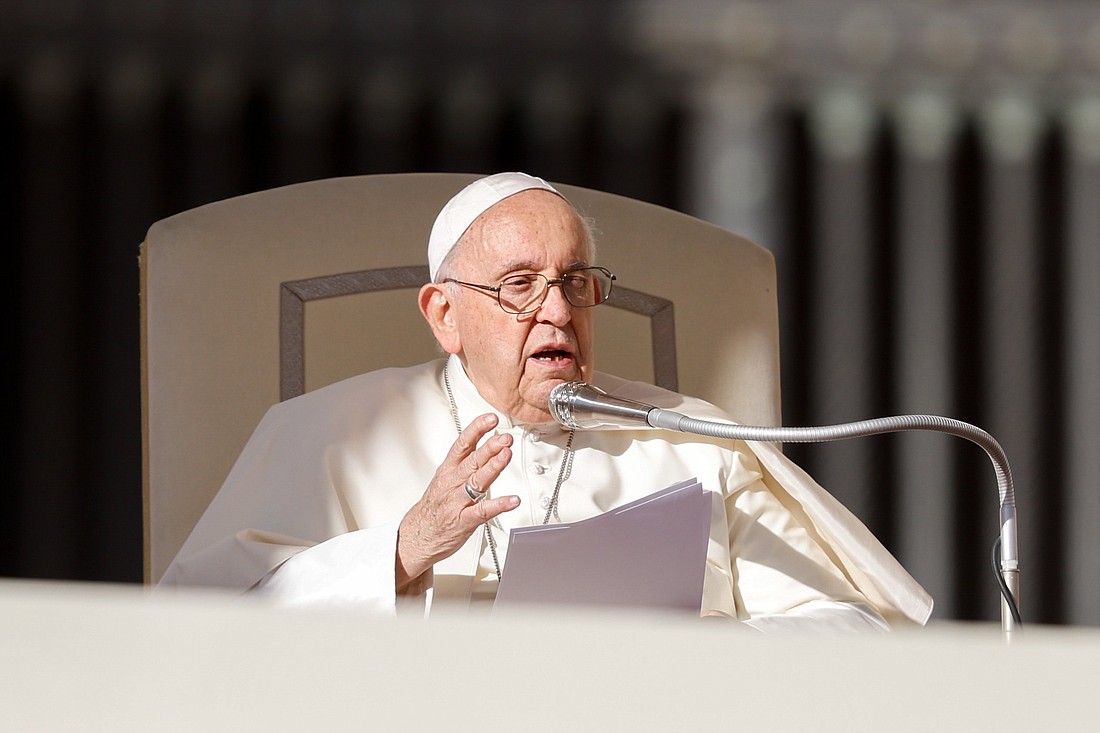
{"x":406,"y":482}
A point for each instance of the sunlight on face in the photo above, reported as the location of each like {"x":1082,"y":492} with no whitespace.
{"x":515,"y":360}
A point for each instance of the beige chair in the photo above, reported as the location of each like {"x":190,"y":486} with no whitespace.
{"x":261,"y":297}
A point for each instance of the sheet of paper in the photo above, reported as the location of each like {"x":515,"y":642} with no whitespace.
{"x":650,"y":553}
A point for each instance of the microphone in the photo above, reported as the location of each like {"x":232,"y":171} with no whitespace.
{"x":583,"y":406}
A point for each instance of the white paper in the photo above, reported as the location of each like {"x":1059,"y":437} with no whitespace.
{"x":650,"y":553}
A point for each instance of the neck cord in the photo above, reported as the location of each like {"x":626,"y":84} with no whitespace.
{"x":563,"y":472}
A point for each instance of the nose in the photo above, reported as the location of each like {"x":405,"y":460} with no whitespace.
{"x":555,"y":309}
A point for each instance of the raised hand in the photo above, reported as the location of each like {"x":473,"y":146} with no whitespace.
{"x":446,"y":515}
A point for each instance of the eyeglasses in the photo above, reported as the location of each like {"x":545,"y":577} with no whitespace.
{"x":520,"y":294}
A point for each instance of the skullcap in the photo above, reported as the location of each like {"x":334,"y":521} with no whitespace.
{"x":468,"y":204}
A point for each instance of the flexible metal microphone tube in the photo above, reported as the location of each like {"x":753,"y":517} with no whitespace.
{"x":581,"y":405}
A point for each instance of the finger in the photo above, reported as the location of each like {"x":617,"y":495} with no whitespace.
{"x":486,"y":510}
{"x":473,"y":493}
{"x":481,"y":478}
{"x":476,"y":487}
{"x":467,"y":440}
{"x":485,"y":453}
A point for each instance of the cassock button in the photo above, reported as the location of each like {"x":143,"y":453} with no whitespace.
{"x":538,"y":468}
{"x":535,"y":436}
{"x":544,"y":502}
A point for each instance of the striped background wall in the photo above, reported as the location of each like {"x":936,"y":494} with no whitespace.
{"x":928,"y":175}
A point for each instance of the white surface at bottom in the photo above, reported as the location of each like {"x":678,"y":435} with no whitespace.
{"x":106,"y":658}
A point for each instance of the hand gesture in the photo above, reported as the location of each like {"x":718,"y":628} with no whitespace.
{"x":447,"y":514}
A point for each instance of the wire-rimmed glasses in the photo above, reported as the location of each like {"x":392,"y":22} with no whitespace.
{"x":520,"y":294}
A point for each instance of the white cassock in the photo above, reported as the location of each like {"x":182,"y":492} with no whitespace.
{"x":310,"y":511}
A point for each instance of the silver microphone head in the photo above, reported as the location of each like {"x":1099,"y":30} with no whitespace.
{"x":560,"y":402}
{"x":582,"y":405}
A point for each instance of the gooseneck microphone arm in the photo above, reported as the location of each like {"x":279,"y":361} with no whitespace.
{"x":581,"y":405}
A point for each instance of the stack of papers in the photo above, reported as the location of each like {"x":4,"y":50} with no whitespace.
{"x":650,"y":553}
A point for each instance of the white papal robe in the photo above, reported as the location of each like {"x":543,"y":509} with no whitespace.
{"x":309,"y":513}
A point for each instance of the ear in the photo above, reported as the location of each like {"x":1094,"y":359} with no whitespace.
{"x":438,"y":311}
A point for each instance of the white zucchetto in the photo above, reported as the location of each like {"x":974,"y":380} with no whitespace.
{"x":468,"y":204}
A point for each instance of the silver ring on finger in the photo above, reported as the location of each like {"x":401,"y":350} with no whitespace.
{"x":474,"y":494}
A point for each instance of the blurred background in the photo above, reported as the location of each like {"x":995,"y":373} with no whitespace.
{"x":926,"y":173}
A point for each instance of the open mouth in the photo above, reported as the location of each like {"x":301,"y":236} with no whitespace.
{"x":552,"y":356}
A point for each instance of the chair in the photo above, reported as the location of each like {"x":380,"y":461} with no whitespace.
{"x":258,"y":298}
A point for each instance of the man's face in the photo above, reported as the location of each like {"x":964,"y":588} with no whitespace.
{"x":515,"y":360}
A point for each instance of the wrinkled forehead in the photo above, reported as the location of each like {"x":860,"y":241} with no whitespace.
{"x":531,"y":230}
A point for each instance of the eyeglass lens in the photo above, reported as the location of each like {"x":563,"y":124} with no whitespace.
{"x":582,"y":288}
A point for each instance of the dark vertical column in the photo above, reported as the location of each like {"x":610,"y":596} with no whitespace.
{"x":50,"y":472}
{"x":130,"y":185}
{"x":923,"y":338}
{"x":1013,"y":383}
{"x":1082,"y":363}
{"x":841,"y":336}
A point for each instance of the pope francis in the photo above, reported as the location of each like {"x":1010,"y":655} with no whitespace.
{"x":397,"y":489}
